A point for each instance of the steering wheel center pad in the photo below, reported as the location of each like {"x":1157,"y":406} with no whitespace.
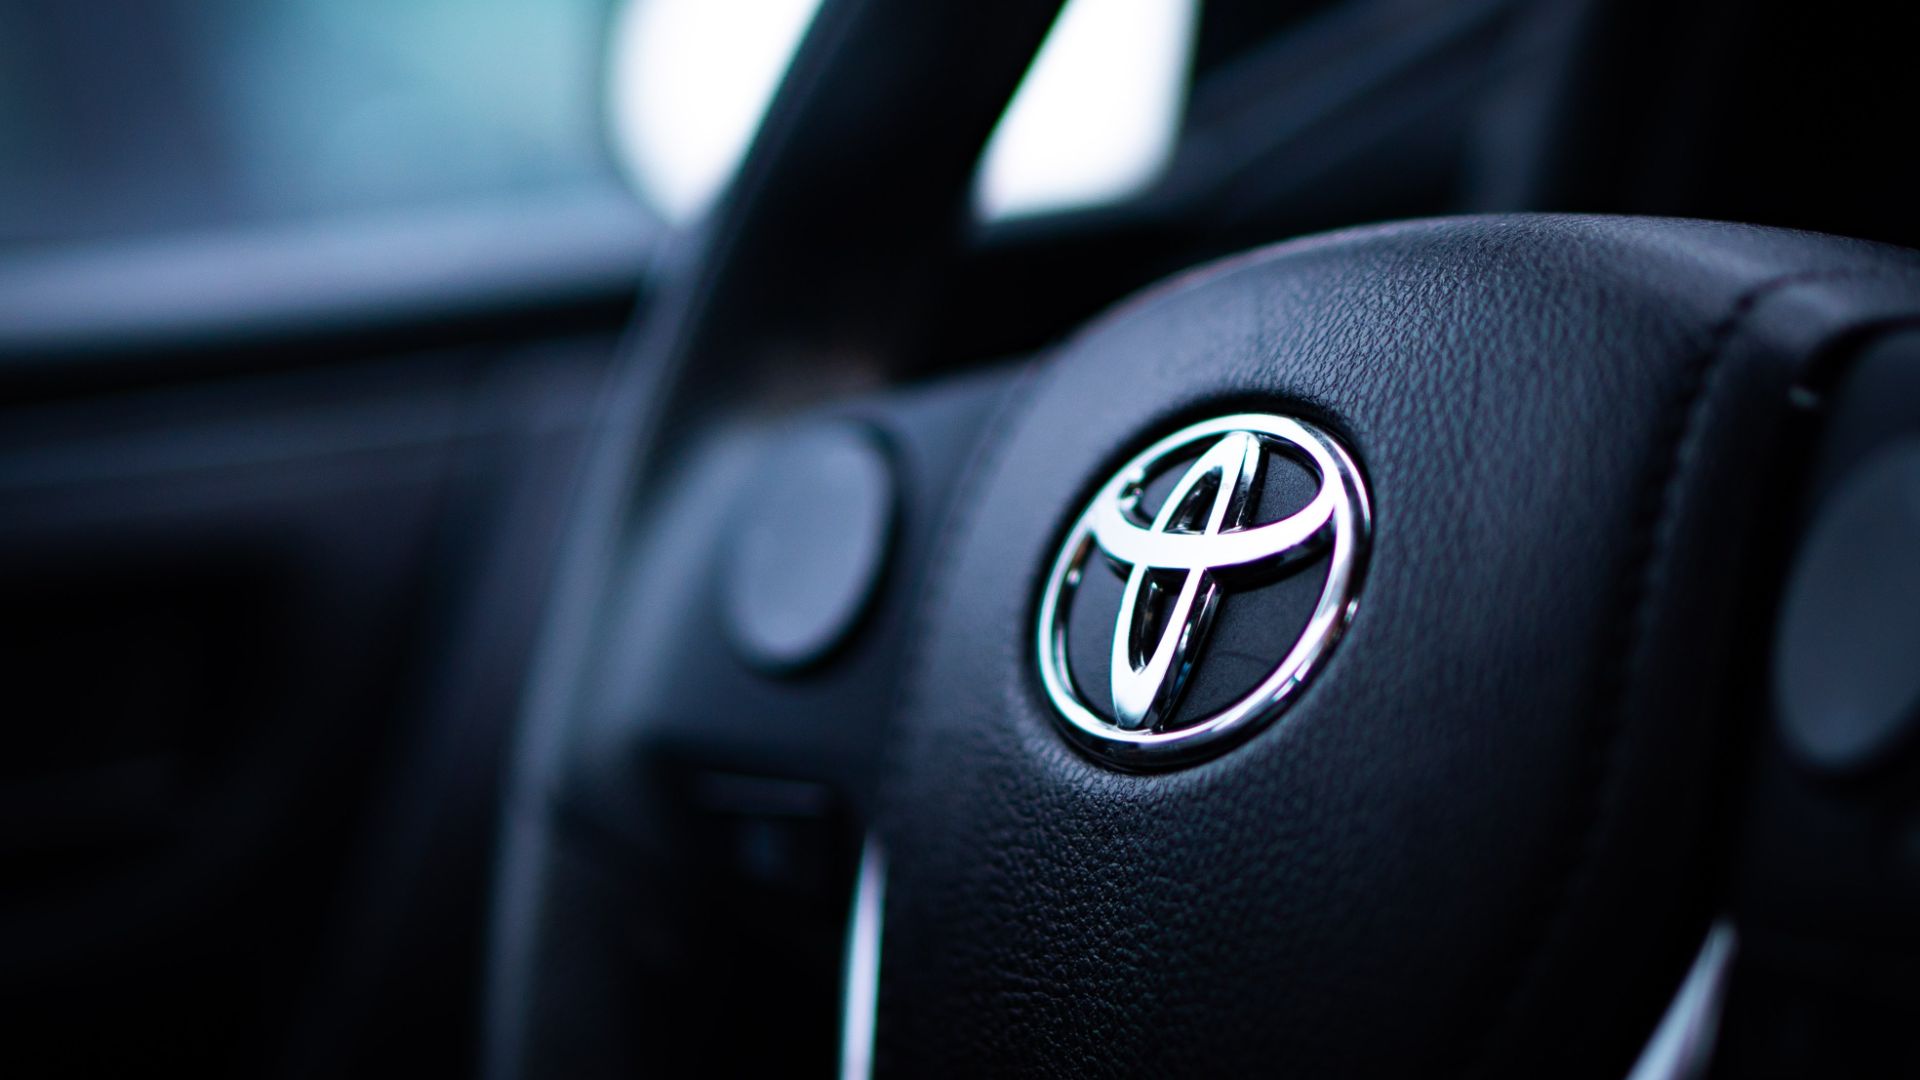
{"x":1481,"y":840}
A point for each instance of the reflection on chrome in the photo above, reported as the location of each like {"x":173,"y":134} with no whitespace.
{"x":862,"y":979}
{"x":1202,"y":528}
{"x":1682,"y":1046}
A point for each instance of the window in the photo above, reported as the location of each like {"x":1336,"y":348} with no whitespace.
{"x":174,"y":115}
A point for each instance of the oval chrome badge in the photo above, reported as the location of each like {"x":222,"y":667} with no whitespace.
{"x":1178,"y":563}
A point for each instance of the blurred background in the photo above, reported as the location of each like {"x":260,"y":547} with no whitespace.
{"x":167,"y":116}
{"x":495,"y":153}
{"x":305,"y":304}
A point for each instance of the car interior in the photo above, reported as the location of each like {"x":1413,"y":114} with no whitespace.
{"x":1315,"y":538}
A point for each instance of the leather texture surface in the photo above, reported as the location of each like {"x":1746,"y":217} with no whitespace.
{"x":1480,"y":842}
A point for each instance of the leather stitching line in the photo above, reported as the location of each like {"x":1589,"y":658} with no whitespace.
{"x":1655,"y":534}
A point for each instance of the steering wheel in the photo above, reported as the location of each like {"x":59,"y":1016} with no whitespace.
{"x":1334,"y":660}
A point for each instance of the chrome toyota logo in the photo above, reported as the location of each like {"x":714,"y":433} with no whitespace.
{"x":1206,"y":545}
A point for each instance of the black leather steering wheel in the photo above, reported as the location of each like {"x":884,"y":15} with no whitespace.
{"x":1480,"y":841}
{"x":1476,"y":830}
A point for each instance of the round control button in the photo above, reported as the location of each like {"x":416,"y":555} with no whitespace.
{"x":812,"y":539}
{"x":1847,"y":656}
